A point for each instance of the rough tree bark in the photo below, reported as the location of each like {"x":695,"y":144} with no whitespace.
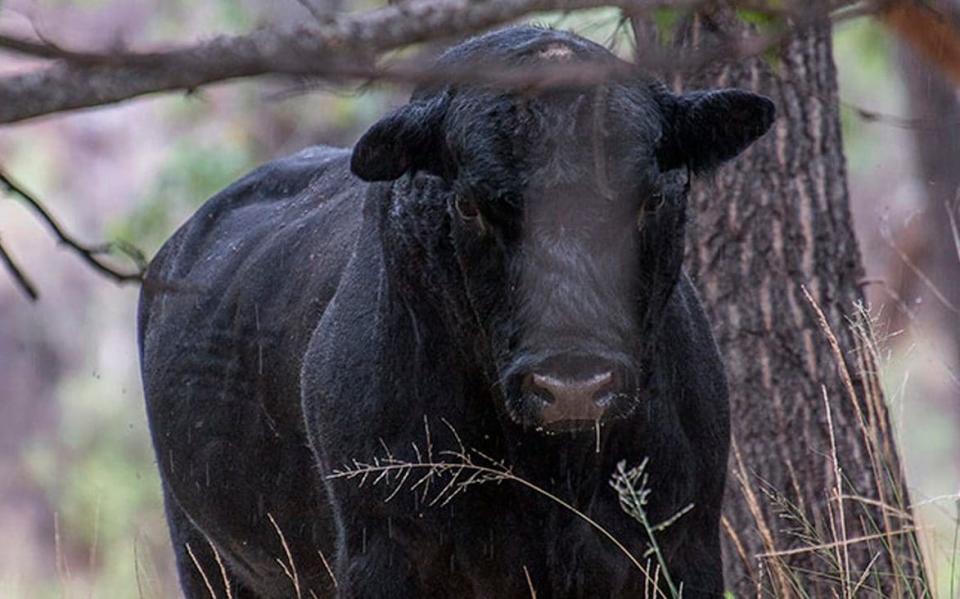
{"x":771,"y":225}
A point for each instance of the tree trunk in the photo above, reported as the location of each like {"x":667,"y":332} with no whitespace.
{"x":767,"y":229}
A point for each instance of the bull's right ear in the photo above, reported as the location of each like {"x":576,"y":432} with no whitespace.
{"x":409,"y":139}
{"x":710,"y":127}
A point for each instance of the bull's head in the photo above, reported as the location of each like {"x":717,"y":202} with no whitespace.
{"x":567,"y":210}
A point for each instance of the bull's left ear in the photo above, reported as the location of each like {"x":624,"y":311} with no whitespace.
{"x":409,"y":139}
{"x":710,"y":127}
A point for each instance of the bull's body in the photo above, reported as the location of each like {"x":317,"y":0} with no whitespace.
{"x":280,"y":293}
{"x":502,"y":287}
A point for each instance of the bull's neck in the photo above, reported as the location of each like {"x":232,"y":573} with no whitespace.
{"x":424,"y":292}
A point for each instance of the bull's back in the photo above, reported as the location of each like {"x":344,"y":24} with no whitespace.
{"x":246,"y":242}
{"x":227,"y":308}
{"x":265,"y":252}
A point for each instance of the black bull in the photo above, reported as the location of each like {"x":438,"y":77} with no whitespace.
{"x":489,"y":272}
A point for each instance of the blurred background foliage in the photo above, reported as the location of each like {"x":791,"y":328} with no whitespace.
{"x":80,"y":507}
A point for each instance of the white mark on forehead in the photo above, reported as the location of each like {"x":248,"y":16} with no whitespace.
{"x":556,"y":52}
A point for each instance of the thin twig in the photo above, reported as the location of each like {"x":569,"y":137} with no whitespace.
{"x":45,"y":48}
{"x":92,"y":562}
{"x":326,"y":565}
{"x":292,"y":572}
{"x":533,"y":591}
{"x":901,"y":513}
{"x":852,"y":541}
{"x":23,"y":282}
{"x":223,"y":569}
{"x":951,"y":209}
{"x":63,"y":566}
{"x":89,"y":253}
{"x":136,"y":566}
{"x":498,"y":474}
{"x":843,"y":554}
{"x":203,"y":575}
{"x":954,"y":553}
{"x":778,"y":575}
{"x":900,"y":122}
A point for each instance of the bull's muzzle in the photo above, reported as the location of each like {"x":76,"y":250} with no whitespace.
{"x":570,"y":400}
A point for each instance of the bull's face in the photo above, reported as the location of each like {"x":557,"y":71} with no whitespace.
{"x":567,"y":213}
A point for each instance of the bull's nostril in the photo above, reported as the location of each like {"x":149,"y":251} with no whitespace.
{"x":572,"y":399}
{"x":574,"y":389}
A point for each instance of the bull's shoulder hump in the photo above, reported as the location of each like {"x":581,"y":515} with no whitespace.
{"x":319,"y":167}
{"x":294,"y":188}
{"x":283,"y":228}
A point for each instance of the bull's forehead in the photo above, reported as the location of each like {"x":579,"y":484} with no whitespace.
{"x":538,"y":144}
{"x":590,"y":140}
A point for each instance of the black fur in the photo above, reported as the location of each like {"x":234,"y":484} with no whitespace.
{"x":304,"y":319}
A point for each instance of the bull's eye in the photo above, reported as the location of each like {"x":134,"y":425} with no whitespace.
{"x":649,"y":207}
{"x":467,"y":209}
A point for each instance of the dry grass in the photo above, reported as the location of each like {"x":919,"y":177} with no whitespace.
{"x":203,"y":575}
{"x":455,"y":471}
{"x":883,"y":521}
{"x":289,"y":568}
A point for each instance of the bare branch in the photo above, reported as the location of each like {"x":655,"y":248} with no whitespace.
{"x":90,"y":254}
{"x":344,"y":48}
{"x":21,"y":279}
{"x":86,"y":79}
{"x":652,"y":59}
{"x":910,"y":123}
{"x":48,"y":49}
{"x":347,"y":48}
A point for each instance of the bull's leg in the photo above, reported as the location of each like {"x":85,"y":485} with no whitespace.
{"x":376,"y":567}
{"x":700,"y":570}
{"x":197,"y":566}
